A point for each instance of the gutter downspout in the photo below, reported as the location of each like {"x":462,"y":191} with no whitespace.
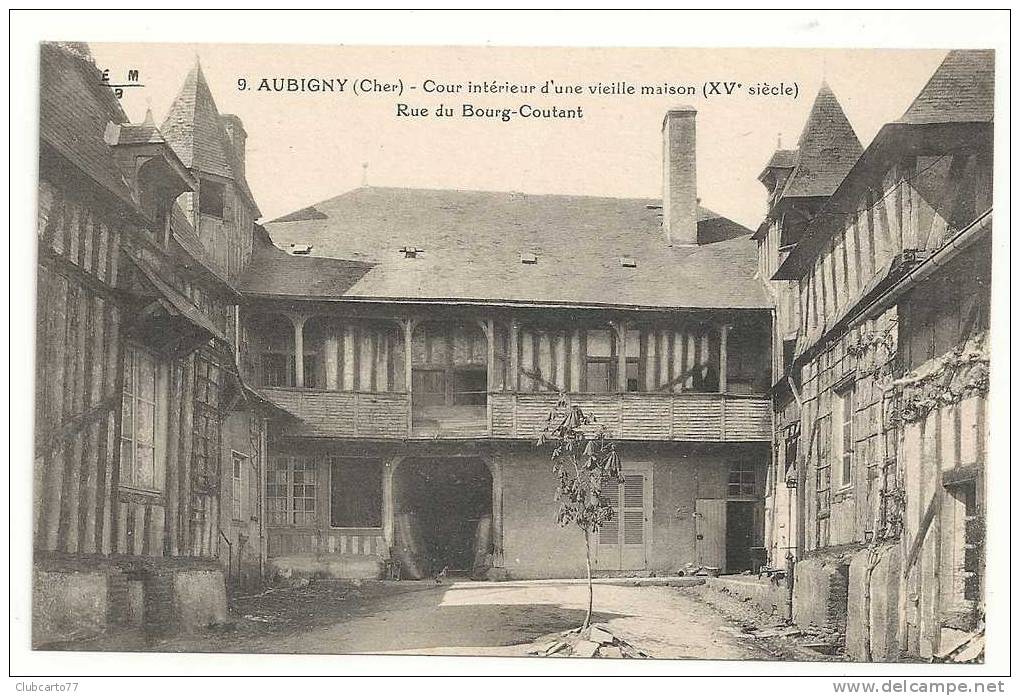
{"x":967,"y":236}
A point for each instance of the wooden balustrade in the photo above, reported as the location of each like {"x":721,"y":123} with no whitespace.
{"x":515,"y":416}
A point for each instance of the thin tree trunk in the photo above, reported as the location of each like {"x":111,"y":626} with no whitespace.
{"x":587,"y":558}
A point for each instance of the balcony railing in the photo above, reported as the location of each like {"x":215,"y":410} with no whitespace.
{"x":521,"y":416}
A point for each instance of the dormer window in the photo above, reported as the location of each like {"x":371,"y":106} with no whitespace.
{"x":210,"y":198}
{"x":411,"y":252}
{"x":628,"y":262}
{"x":528,"y":258}
{"x":300,"y":249}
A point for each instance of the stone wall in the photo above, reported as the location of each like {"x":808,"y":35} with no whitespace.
{"x":820,"y":593}
{"x":872,"y":629}
{"x":76,"y":598}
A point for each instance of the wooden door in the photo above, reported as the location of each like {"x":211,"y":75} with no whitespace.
{"x":623,"y":543}
{"x":710,"y":527}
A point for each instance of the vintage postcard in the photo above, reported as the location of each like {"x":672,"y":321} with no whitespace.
{"x":638,"y":353}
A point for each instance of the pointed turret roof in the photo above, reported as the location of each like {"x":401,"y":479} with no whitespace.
{"x":194,"y":129}
{"x":827,"y":149}
{"x":960,"y":91}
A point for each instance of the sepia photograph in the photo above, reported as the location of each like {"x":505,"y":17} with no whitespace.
{"x":647,"y":353}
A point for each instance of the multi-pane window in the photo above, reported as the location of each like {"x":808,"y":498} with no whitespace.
{"x":356,"y":492}
{"x":742,"y":481}
{"x":823,"y":467}
{"x":205,"y":453}
{"x":141,"y":437}
{"x":239,"y":467}
{"x":290,"y":491}
{"x":844,"y":422}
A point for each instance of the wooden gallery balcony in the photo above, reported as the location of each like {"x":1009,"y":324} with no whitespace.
{"x":349,"y":378}
{"x":665,"y":417}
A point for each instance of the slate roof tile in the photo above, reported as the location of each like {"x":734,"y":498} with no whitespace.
{"x":75,"y":109}
{"x":472,"y":242}
{"x":195,"y":131}
{"x":826,"y":150}
{"x":961,"y":90}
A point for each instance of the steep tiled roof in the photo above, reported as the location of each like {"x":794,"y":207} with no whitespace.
{"x":138,"y":134}
{"x":782,"y":159}
{"x":75,"y":110}
{"x":960,"y":91}
{"x":958,"y":102}
{"x":827,"y":148}
{"x":472,"y":243}
{"x":195,"y":131}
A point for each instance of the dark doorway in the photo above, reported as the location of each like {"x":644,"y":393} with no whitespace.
{"x":446,"y":505}
{"x":739,"y":535}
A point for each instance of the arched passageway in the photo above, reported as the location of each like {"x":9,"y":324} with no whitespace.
{"x":443,"y":516}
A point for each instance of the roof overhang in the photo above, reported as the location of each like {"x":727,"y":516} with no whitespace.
{"x":168,"y":320}
{"x":893,"y":142}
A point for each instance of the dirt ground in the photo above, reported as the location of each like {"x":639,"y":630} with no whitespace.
{"x":466,"y":618}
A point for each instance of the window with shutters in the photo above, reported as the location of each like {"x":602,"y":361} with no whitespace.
{"x":634,"y":509}
{"x":253,"y":490}
{"x":609,"y":533}
{"x":628,"y":502}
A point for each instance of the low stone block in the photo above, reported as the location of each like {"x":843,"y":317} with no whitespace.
{"x":68,"y":605}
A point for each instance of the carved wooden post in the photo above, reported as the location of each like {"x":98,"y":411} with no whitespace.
{"x":621,"y":356}
{"x":724,"y":330}
{"x":299,"y":348}
{"x":514,"y":375}
{"x":332,"y":358}
{"x":490,"y":339}
{"x":408,"y":325}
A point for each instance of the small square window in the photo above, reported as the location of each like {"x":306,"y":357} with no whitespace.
{"x":210,"y":198}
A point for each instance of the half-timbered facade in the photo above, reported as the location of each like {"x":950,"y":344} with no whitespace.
{"x":138,"y":392}
{"x":419,"y":339}
{"x":889,"y":372}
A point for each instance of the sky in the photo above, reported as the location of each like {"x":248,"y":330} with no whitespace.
{"x":306,"y":147}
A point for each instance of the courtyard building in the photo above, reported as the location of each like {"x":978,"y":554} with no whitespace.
{"x":876,"y":489}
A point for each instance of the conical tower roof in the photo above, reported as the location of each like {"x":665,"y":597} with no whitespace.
{"x":195,"y":131}
{"x":827,"y":149}
{"x":961,"y":90}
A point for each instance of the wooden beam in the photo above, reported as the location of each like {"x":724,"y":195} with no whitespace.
{"x":515,"y":358}
{"x":299,"y":349}
{"x":490,"y":360}
{"x":724,"y":331}
{"x":621,"y":355}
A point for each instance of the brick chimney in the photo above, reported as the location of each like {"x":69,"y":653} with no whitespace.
{"x":235,"y":131}
{"x":679,"y":177}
